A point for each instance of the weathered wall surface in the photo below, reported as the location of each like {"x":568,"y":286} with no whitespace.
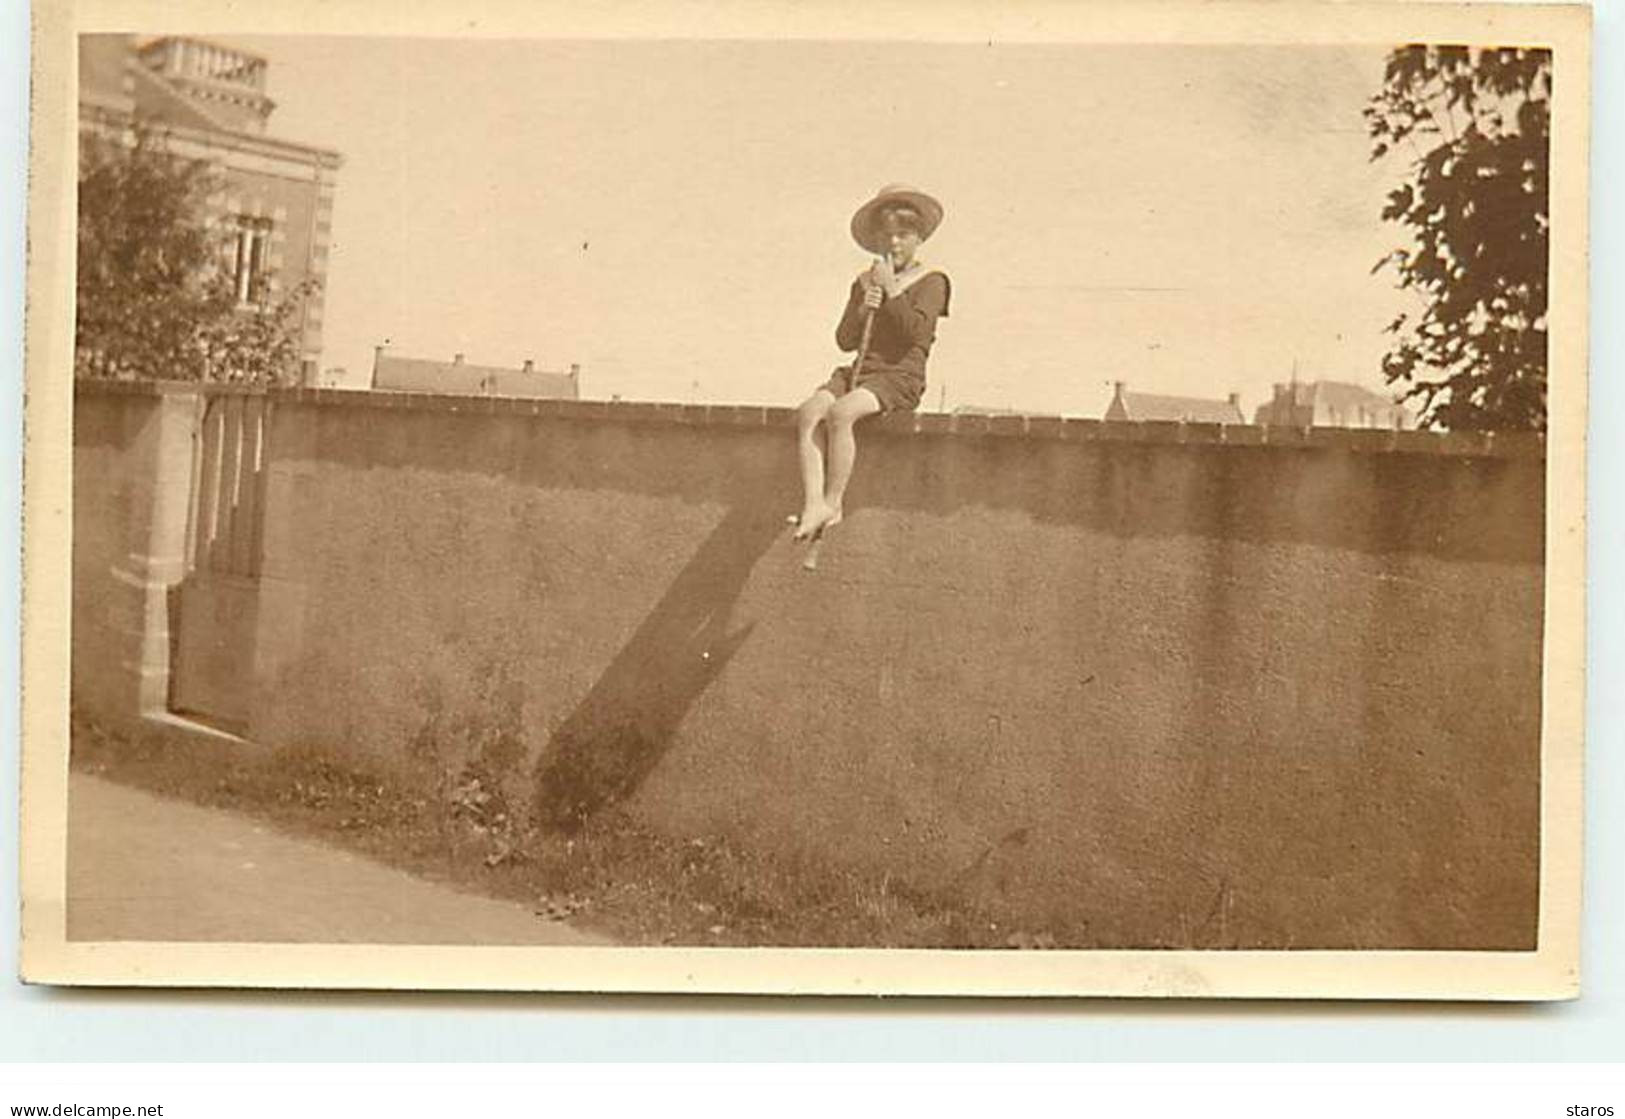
{"x":1136,"y":683}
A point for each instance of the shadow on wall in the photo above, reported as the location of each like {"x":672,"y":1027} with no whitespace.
{"x":620,"y":730}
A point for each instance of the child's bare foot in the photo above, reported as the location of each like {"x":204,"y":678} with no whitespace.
{"x":814,"y":518}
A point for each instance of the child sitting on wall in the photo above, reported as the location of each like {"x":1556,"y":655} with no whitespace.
{"x":890,"y":322}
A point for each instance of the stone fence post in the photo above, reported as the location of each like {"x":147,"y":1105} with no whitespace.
{"x":135,"y":447}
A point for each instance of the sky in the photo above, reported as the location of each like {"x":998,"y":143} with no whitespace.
{"x":673,"y":216}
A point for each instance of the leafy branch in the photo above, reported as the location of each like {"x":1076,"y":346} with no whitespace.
{"x":156,"y":294}
{"x":1475,"y":203}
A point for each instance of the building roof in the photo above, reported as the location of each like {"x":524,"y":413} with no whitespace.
{"x":115,"y":81}
{"x":1331,"y":399}
{"x":1190,"y":409}
{"x":458,"y":378}
{"x":1333,"y":394}
{"x":1344,"y":396}
{"x":226,"y":83}
{"x":157,"y":99}
{"x":104,"y":78}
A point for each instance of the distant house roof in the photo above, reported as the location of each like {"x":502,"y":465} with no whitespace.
{"x":1344,"y":396}
{"x":1329,"y":401}
{"x":1127,"y":405}
{"x":391,"y":373}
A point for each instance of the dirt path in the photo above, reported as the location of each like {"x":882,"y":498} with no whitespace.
{"x":142,"y":867}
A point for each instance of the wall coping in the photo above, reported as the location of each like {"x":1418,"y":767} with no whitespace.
{"x":1508,"y":445}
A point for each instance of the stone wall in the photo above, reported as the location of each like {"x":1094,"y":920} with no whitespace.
{"x":1151,"y":684}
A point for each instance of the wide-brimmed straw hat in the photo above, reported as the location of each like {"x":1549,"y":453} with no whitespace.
{"x":866,"y":222}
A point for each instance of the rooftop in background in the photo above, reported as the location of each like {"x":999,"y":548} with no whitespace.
{"x":1127,"y":405}
{"x":190,"y":87}
{"x":458,"y":378}
{"x":224,"y":84}
{"x":1332,"y":404}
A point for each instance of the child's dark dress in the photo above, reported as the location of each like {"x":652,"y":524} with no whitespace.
{"x":905,"y":326}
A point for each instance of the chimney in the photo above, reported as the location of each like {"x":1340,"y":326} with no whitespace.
{"x":530,"y":366}
{"x":1117,"y":409}
{"x":575,"y":371}
{"x":1235,"y":400}
{"x":457,"y":359}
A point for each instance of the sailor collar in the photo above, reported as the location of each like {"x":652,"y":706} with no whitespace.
{"x":916,"y":273}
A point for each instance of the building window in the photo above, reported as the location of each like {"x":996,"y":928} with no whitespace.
{"x":252,"y":250}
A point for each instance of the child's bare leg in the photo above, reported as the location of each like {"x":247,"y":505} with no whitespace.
{"x":812,"y":412}
{"x":843,"y":446}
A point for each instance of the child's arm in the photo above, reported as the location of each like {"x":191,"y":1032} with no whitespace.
{"x":918,"y":316}
{"x":849,"y":332}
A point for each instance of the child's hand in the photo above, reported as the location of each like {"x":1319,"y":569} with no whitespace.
{"x":881,"y":274}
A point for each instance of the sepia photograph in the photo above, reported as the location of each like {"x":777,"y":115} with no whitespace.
{"x":887,"y":509}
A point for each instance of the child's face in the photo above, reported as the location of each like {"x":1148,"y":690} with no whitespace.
{"x":901,"y":241}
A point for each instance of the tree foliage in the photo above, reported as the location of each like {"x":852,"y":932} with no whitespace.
{"x":156,"y":294}
{"x":1475,"y":202}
